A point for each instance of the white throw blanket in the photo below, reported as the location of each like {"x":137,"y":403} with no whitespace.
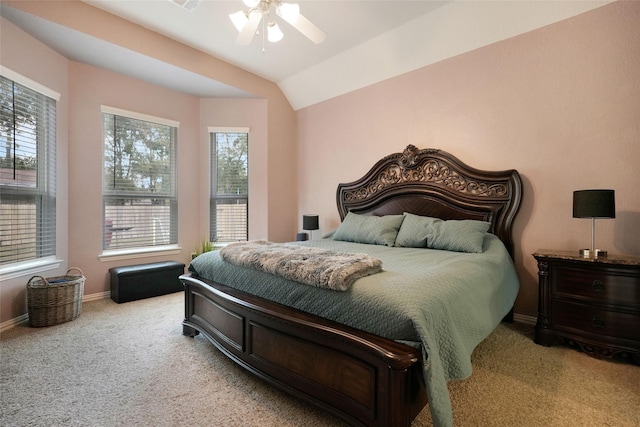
{"x":311,"y":266}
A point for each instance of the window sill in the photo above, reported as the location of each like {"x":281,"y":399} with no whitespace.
{"x":29,"y":268}
{"x":120,"y":254}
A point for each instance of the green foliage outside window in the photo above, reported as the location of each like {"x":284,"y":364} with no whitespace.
{"x":232,"y":167}
{"x":229,"y":186}
{"x":137,"y":156}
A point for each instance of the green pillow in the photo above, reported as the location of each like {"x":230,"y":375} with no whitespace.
{"x":375,"y":230}
{"x":414,"y":231}
{"x":458,"y":235}
{"x":453,"y":235}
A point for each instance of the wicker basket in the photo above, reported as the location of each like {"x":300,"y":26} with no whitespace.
{"x":55,"y":299}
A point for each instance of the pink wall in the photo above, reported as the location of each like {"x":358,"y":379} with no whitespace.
{"x":560,"y":104}
{"x":91,"y":88}
{"x":280,"y":117}
{"x":85,"y":88}
{"x":246,"y":113}
{"x":13,"y":43}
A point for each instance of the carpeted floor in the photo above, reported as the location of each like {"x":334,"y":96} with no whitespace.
{"x":129,"y":364}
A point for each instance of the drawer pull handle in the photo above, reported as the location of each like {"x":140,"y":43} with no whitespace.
{"x":596,"y":321}
{"x":597,"y":286}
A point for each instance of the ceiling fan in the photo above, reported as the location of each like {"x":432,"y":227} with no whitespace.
{"x":260,"y":10}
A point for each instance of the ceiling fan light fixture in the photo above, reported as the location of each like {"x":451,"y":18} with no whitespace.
{"x":288,"y":11}
{"x":274,"y":33}
{"x":247,"y":23}
{"x":239,"y":19}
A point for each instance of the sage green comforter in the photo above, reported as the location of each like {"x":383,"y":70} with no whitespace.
{"x":447,"y":302}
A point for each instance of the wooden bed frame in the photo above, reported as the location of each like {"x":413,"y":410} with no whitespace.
{"x":360,"y":377}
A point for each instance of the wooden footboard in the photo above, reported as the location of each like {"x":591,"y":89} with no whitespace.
{"x":359,"y":377}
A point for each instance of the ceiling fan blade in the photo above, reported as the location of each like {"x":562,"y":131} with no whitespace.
{"x":249,"y":30}
{"x":306,"y":27}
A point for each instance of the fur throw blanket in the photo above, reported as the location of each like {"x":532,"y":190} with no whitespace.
{"x":311,"y":266}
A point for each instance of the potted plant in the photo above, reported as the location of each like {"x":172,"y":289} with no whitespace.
{"x":204,"y":246}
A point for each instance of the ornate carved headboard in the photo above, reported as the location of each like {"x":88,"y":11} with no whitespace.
{"x":434,"y":183}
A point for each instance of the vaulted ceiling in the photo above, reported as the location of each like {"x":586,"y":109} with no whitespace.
{"x":367,"y":41}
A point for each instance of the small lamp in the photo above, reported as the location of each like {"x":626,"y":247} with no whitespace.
{"x":310,"y":223}
{"x":594,"y":204}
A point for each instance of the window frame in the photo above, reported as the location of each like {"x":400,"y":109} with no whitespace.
{"x":46,"y":184}
{"x":130,"y":252}
{"x":213,"y":197}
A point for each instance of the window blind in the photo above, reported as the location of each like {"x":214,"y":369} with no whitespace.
{"x":139,"y":183}
{"x":27,"y":173}
{"x":228,"y":208}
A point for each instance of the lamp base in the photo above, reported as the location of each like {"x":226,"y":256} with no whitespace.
{"x":595,"y":253}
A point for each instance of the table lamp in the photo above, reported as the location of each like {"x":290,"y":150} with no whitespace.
{"x":310,"y":223}
{"x":594,"y":204}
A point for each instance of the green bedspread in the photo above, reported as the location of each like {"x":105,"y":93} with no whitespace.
{"x":448,"y":302}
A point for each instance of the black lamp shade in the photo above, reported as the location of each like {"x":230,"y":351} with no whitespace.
{"x":594,"y":204}
{"x":310,"y":222}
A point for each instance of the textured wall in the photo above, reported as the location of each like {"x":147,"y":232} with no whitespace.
{"x":560,"y":104}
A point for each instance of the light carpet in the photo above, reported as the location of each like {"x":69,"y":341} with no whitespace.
{"x":129,"y":365}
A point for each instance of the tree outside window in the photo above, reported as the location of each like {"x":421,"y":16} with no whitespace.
{"x":139,"y":183}
{"x":229,"y":186}
{"x":27,"y":173}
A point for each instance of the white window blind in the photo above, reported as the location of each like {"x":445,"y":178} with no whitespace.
{"x":228,"y":209}
{"x":139,"y":183}
{"x":27,"y":173}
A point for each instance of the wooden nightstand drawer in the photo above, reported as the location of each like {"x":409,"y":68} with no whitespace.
{"x":568,"y":315}
{"x":614,"y":288}
{"x":593,"y":303}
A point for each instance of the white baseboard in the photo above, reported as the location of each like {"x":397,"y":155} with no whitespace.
{"x":8,"y":324}
{"x":522,"y":318}
{"x":97,"y":296}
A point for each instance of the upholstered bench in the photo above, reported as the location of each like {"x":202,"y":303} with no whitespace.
{"x":135,"y":282}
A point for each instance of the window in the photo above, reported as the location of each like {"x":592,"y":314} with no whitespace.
{"x":139,"y":184}
{"x":229,"y":186}
{"x":27,"y":172}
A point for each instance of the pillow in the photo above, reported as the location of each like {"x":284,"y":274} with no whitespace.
{"x":458,"y":235}
{"x":453,"y":235}
{"x":414,"y":231}
{"x":376,"y":230}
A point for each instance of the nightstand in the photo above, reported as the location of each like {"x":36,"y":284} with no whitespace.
{"x":591,"y":303}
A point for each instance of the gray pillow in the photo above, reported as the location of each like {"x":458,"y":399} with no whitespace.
{"x":458,"y":235}
{"x":453,"y":235}
{"x":414,"y":231}
{"x":375,"y":230}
